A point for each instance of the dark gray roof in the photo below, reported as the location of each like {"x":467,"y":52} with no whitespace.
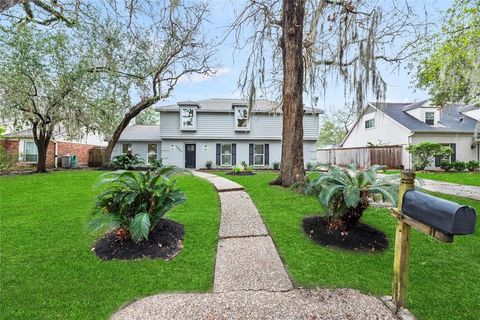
{"x":140,"y":133}
{"x":451,"y":120}
{"x":225,"y":105}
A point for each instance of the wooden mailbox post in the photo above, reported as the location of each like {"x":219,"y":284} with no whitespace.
{"x":438,"y":218}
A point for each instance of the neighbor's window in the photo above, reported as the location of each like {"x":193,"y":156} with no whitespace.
{"x":126,"y":148}
{"x":369,"y":123}
{"x":259,"y":155}
{"x":31,"y":152}
{"x":226,"y":155}
{"x":152,"y":152}
{"x":241,"y":118}
{"x":430,"y":118}
{"x":187,"y":120}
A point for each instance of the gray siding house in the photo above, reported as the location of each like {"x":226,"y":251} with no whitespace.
{"x":191,"y":133}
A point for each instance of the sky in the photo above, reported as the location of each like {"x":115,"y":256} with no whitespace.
{"x":224,"y":83}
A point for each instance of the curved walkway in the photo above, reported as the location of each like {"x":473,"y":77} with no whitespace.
{"x":250,"y":279}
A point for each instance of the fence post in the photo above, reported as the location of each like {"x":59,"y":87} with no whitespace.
{"x":400,"y":262}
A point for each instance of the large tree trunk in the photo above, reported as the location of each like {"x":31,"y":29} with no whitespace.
{"x":134,"y":111}
{"x":41,"y":137}
{"x":292,"y":168}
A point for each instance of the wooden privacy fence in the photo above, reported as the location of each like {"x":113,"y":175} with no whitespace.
{"x":363,"y":157}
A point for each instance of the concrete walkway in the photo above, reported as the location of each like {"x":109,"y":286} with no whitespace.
{"x":454,"y":189}
{"x":250,"y":279}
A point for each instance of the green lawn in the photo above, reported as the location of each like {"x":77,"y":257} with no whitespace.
{"x":466,"y":177}
{"x":443,"y":278}
{"x":47,"y":270}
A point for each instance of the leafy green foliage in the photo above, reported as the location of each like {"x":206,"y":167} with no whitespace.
{"x":473,"y":165}
{"x":7,"y":160}
{"x":135,"y":202}
{"x":309,"y":166}
{"x":147,"y":117}
{"x":126,"y":161}
{"x":446,"y":165}
{"x":276,"y":165}
{"x":449,"y":67}
{"x":459,"y":165}
{"x":238,"y":169}
{"x":156,"y":163}
{"x":208,"y":164}
{"x":345,"y":193}
{"x":424,"y":152}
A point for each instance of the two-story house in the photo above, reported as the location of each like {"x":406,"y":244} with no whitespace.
{"x":411,"y":123}
{"x":218,"y":130}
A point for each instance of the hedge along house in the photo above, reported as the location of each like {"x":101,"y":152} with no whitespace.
{"x":222,"y":131}
{"x":402,"y":124}
{"x":21,"y":145}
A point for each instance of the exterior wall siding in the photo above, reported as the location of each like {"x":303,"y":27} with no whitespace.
{"x":138,"y":147}
{"x":213,"y":125}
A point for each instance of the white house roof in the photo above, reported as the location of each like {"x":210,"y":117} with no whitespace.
{"x":140,"y":133}
{"x":225,"y":105}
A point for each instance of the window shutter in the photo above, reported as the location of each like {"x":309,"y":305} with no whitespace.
{"x":218,"y":154}
{"x":454,"y":152}
{"x":267,"y":154}
{"x":234,"y":154}
{"x":250,"y":153}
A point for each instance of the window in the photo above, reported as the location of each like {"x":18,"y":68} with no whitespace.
{"x":430,"y":118}
{"x":241,"y":118}
{"x":31,"y":152}
{"x":226,"y":153}
{"x":370,"y":124}
{"x":152,"y":152}
{"x":187,"y":119}
{"x":259,"y":155}
{"x":127,"y":148}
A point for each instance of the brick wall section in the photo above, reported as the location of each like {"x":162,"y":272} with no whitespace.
{"x":78,"y":149}
{"x":10,"y":146}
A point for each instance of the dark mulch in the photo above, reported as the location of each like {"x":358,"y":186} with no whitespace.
{"x":164,"y":242}
{"x":244,"y":173}
{"x":360,"y":238}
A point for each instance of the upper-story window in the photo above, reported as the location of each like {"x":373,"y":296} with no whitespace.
{"x":369,"y":123}
{"x":188,"y":119}
{"x":242,"y":121}
{"x":430,"y":118}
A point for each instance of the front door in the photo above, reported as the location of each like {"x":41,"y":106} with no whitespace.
{"x":190,"y":151}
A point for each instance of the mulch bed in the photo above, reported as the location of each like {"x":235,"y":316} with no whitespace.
{"x":360,"y":238}
{"x":164,"y":242}
{"x":244,"y":173}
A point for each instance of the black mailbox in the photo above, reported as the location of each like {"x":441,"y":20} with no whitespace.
{"x":443,"y":215}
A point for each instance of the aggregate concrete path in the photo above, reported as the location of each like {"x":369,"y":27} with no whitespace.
{"x":250,"y":279}
{"x":454,"y":189}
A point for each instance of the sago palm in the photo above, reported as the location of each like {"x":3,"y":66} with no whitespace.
{"x":134,"y":203}
{"x":345,"y":193}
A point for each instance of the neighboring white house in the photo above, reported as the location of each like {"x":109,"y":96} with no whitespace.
{"x":218,"y":130}
{"x":411,"y":123}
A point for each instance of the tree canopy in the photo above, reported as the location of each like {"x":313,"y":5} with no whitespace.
{"x":450,"y":66}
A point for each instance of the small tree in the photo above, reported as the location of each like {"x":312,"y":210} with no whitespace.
{"x":424,"y":152}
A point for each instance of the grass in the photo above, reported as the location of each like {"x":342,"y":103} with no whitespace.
{"x":47,"y":270}
{"x":443,"y":278}
{"x":466,"y":177}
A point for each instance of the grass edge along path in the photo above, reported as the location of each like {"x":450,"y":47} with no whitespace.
{"x":443,"y":278}
{"x":47,"y":270}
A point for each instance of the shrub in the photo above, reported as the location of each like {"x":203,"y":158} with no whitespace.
{"x":126,"y":161}
{"x":459,"y":165}
{"x":472,"y":165}
{"x":243,"y":164}
{"x":276,"y":165}
{"x":424,"y":152}
{"x":345,"y":193}
{"x":155,"y":164}
{"x":208,"y":164}
{"x":249,"y":168}
{"x":7,"y":160}
{"x":309,"y":166}
{"x":238,"y":169}
{"x":134,"y":203}
{"x":446,"y":165}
